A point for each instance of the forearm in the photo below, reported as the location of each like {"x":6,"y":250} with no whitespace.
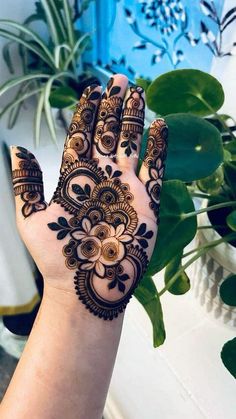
{"x":67,"y":364}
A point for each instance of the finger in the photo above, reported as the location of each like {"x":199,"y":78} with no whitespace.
{"x":108,"y":120}
{"x":78,"y":140}
{"x":132,"y":128}
{"x":27,"y":181}
{"x":153,"y":166}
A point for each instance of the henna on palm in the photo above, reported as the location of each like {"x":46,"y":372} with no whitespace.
{"x":106,"y":235}
{"x":105,"y":240}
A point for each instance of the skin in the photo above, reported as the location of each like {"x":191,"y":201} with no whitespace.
{"x":67,"y":364}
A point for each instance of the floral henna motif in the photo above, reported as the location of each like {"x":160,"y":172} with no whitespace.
{"x":108,"y":120}
{"x":28,"y":183}
{"x":132,"y":120}
{"x":105,"y":242}
{"x":77,"y":142}
{"x":154,"y":160}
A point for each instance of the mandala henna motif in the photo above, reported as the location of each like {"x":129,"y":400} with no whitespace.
{"x":132,"y":120}
{"x":154,"y":160}
{"x":28,"y":183}
{"x":105,"y":242}
{"x":108,"y":120}
{"x":77,"y":142}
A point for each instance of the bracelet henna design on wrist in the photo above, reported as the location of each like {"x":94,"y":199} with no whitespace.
{"x":108,"y":120}
{"x":77,"y":142}
{"x":154,"y":161}
{"x":132,"y":120}
{"x":28,"y":183}
{"x":105,"y":241}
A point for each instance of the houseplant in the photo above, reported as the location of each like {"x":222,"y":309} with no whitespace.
{"x":51,"y":64}
{"x":200,"y":163}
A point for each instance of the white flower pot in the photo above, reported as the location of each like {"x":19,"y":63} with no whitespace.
{"x":210,"y":270}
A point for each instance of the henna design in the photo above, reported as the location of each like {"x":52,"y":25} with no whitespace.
{"x":105,"y":243}
{"x":28,"y":183}
{"x":108,"y":120}
{"x":132,"y":120}
{"x":77,"y":142}
{"x":154,"y":161}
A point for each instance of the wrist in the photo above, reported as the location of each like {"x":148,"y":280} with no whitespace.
{"x":65,"y":302}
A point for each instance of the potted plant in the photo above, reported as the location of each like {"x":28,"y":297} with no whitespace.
{"x":51,"y":64}
{"x":201,"y":163}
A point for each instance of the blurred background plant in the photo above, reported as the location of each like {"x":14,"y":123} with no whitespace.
{"x":201,"y":163}
{"x":52,"y":71}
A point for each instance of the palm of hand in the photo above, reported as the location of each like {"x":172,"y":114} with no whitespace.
{"x":105,"y":224}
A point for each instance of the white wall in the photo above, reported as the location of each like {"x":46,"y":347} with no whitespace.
{"x":14,"y":10}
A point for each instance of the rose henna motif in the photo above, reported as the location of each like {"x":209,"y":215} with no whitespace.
{"x":108,"y":120}
{"x":105,"y":243}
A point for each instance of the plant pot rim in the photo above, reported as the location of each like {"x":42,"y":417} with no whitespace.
{"x":224,"y":253}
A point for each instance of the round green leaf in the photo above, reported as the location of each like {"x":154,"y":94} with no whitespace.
{"x":212,"y":184}
{"x":62,"y":97}
{"x":231,"y":220}
{"x":228,"y":290}
{"x":194,"y":148}
{"x":185,"y":90}
{"x":228,"y":356}
{"x":175,"y":232}
{"x":182,"y":283}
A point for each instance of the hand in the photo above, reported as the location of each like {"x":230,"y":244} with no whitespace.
{"x":99,"y":230}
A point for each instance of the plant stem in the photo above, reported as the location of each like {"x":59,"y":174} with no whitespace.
{"x":214,"y":243}
{"x":207,"y":209}
{"x":217,"y":116}
{"x":201,"y":250}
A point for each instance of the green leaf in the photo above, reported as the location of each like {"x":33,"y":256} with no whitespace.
{"x":194,"y":148}
{"x":16,"y":101}
{"x":143,"y":83}
{"x":18,"y":80}
{"x":146,"y":293}
{"x":228,"y":290}
{"x":231,"y":220}
{"x":53,"y":27}
{"x":212,"y":184}
{"x":231,"y":148}
{"x":182,"y":283}
{"x":7,"y":56}
{"x":230,"y":175}
{"x":39,"y":47}
{"x":228,"y":356}
{"x":77,"y":49}
{"x":175,"y":232}
{"x":38,"y":117}
{"x":62,"y":97}
{"x":185,"y":90}
{"x":69,"y":23}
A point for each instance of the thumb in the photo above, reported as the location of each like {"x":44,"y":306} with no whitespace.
{"x":27,"y":182}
